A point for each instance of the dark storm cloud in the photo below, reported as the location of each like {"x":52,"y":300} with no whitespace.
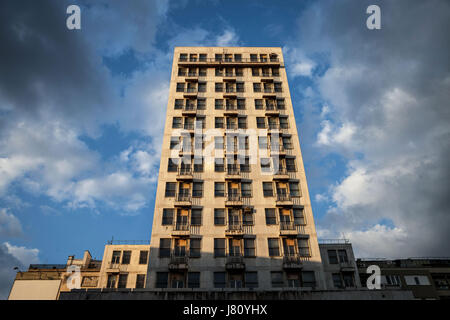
{"x":392,"y":88}
{"x":7,"y":273}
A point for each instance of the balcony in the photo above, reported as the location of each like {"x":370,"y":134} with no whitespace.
{"x":231,"y":109}
{"x":283,"y":198}
{"x":190,"y":92}
{"x":277,"y":149}
{"x":189,"y":109}
{"x":230,"y":61}
{"x":115,"y":267}
{"x":183,"y":199}
{"x":238,"y":229}
{"x":288,"y":228}
{"x":179,"y":262}
{"x":235,"y":262}
{"x":233,"y":172}
{"x":292,"y":262}
{"x":184,"y":173}
{"x":281,"y":173}
{"x":181,"y":229}
{"x":233,"y":199}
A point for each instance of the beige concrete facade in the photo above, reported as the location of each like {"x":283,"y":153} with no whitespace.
{"x":123,"y":266}
{"x":190,"y":253}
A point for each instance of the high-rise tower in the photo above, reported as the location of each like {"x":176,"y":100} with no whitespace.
{"x":232,"y":204}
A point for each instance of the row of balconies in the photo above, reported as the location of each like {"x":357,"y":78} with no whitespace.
{"x":226,"y":74}
{"x":236,"y":261}
{"x":235,"y":171}
{"x":238,"y":229}
{"x":234,"y":198}
{"x":225,"y":60}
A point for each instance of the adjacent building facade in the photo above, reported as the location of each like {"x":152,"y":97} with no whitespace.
{"x":232,"y":204}
{"x":426,"y":278}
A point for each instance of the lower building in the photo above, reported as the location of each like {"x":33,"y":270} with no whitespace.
{"x":339,"y":265}
{"x":426,"y":278}
{"x":124,"y":265}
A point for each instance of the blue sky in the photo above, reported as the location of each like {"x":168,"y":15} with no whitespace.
{"x":82,"y":114}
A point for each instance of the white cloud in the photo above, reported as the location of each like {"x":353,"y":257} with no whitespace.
{"x":10,"y":226}
{"x":228,"y":38}
{"x":297,"y":62}
{"x":24,"y":255}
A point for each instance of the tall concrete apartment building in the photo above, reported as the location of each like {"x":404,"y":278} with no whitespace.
{"x":232,"y":204}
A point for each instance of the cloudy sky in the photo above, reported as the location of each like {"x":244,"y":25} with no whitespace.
{"x":82,"y":115}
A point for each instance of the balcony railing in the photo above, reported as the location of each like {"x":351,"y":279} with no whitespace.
{"x":235,"y":261}
{"x":292,"y":261}
{"x":179,"y":261}
{"x":234,"y":60}
{"x":183,"y":197}
{"x":233,"y":169}
{"x":185,"y":171}
{"x":288,"y":226}
{"x":280,"y":172}
{"x":283,"y":196}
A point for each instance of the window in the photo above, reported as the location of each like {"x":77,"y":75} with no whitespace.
{"x":299,"y":217}
{"x":290,"y":165}
{"x":219,"y":189}
{"x":239,"y":87}
{"x":253,"y":57}
{"x":284,"y":124}
{"x":183,"y":56}
{"x":262,"y":142}
{"x":143,"y":257}
{"x":197,"y":189}
{"x":198,"y":165}
{"x":287,"y":143}
{"x":219,"y":247}
{"x":195,"y":248}
{"x":278,"y":87}
{"x":270,"y":216}
{"x":89,"y":281}
{"x":242,"y":122}
{"x":202,"y":72}
{"x":202,"y":87}
{"x":308,"y":279}
{"x":247,"y":218}
{"x":219,"y":217}
{"x":277,"y":279}
{"x":249,"y":248}
{"x":280,"y":104}
{"x":342,"y":256}
{"x":238,"y":57}
{"x":164,"y":247}
{"x":162,"y":279}
{"x":251,"y":279}
{"x":294,"y":189}
{"x":172,"y":165}
{"x":219,"y":165}
{"x":256,"y":87}
{"x":260,"y":123}
{"x":218,"y":122}
{"x":274,"y":247}
{"x":275,"y":71}
{"x":170,"y":189}
{"x":258,"y":104}
{"x":218,"y":104}
{"x":239,"y":72}
{"x":193,"y":57}
{"x":246,"y":189}
{"x":265,"y":164}
{"x":140,"y":281}
{"x":201,"y":104}
{"x":394,"y":280}
{"x":219,"y":280}
{"x":268,"y":189}
{"x":178,"y":104}
{"x":245,"y":167}
{"x":180,"y":87}
{"x":255,"y":72}
{"x":332,"y":257}
{"x":174,"y":143}
{"x":122,"y":283}
{"x":193,"y":279}
{"x":348,"y":279}
{"x":293,"y":280}
{"x":241,"y":103}
{"x":196,"y":217}
{"x":115,"y":257}
{"x":337,"y":280}
{"x":303,"y":248}
{"x":111,"y":281}
{"x":126,"y":257}
{"x":202,"y":57}
{"x":219,"y":87}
